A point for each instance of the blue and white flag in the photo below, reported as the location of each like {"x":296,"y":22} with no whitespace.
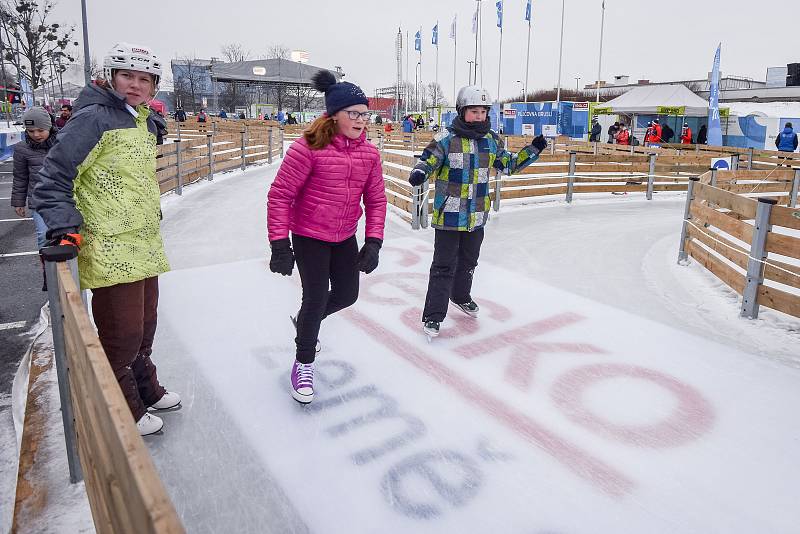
{"x":499,"y":5}
{"x":475,"y":21}
{"x":453,"y":27}
{"x":714,"y":126}
{"x":418,"y":41}
{"x":528,"y":11}
{"x":27,"y":92}
{"x":435,"y":35}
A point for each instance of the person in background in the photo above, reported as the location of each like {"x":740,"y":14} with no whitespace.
{"x":786,"y":141}
{"x":223,"y":114}
{"x":408,"y":124}
{"x":39,"y":138}
{"x":202,"y":116}
{"x":66,"y":113}
{"x":98,"y":191}
{"x":459,"y":160}
{"x":667,"y":134}
{"x":180,"y":115}
{"x":623,"y":135}
{"x":613,"y":130}
{"x":290,"y":119}
{"x":594,"y":134}
{"x":686,"y":134}
{"x":316,"y":199}
{"x":702,"y":135}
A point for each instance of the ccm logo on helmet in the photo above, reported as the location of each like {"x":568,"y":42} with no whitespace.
{"x":134,"y":58}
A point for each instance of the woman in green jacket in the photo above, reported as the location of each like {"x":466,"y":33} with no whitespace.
{"x":98,"y":191}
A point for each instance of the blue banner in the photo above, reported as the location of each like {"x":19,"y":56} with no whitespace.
{"x":528,"y":11}
{"x":435,"y":35}
{"x":418,"y":41}
{"x":499,"y":5}
{"x":714,"y":126}
{"x":27,"y":92}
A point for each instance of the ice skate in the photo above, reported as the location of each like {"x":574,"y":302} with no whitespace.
{"x":470,"y":308}
{"x":431,"y":329}
{"x":170,"y":401}
{"x":303,"y":382}
{"x":318,"y":347}
{"x":149,"y":424}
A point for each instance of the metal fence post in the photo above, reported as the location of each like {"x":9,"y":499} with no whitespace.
{"x":413,"y":144}
{"x":755,"y":267}
{"x":734,"y":162}
{"x":683,"y":256}
{"x":210,"y":142}
{"x":425,"y":190}
{"x":244,"y":147}
{"x":571,"y":177}
{"x":497,"y":191}
{"x":269,"y":147}
{"x":595,"y":147}
{"x":795,"y":187}
{"x":281,"y":140}
{"x":416,"y":194}
{"x":179,"y":175}
{"x":713,"y":182}
{"x":52,"y":256}
{"x":651,"y":176}
{"x":750,"y":160}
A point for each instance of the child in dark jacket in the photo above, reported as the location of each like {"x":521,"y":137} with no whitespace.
{"x":459,"y":160}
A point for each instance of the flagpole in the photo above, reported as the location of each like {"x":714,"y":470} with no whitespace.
{"x":499,"y":60}
{"x":436,"y":88}
{"x":560,"y":56}
{"x":600,"y":61}
{"x":480,"y":39}
{"x":528,"y":59}
{"x":407,"y":74}
{"x":455,"y":57}
{"x":420,"y":95}
{"x":477,"y":31}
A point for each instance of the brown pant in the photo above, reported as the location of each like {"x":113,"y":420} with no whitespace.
{"x":126,"y":317}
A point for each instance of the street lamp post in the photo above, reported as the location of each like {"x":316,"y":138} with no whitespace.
{"x":522,"y":88}
{"x":87,"y":67}
{"x":469,"y":80}
{"x":577,"y":84}
{"x":560,"y":56}
{"x":600,"y":60}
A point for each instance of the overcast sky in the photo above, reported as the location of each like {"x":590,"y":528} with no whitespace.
{"x":646,"y":39}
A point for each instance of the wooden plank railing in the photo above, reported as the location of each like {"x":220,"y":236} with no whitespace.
{"x":125,"y":493}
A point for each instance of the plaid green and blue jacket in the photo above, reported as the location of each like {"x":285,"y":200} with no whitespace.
{"x":460,"y":170}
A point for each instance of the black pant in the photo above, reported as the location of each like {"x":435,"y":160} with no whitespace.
{"x":455,"y":256}
{"x":329,"y":275}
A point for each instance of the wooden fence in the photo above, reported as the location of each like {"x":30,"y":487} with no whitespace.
{"x":125,"y":493}
{"x":737,"y":238}
{"x":191,"y":154}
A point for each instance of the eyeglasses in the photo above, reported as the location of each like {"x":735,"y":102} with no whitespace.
{"x":355,"y":115}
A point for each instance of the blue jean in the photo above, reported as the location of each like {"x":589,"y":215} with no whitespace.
{"x":41,"y":229}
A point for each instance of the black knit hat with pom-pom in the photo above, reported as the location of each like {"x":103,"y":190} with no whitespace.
{"x":337,"y":95}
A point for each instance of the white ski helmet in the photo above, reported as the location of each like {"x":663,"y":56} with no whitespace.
{"x":131,"y":57}
{"x":473,"y":95}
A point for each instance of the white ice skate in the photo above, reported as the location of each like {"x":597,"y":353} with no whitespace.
{"x":470,"y":308}
{"x":431,"y":329}
{"x":170,"y":401}
{"x":149,"y":424}
{"x":294,"y":322}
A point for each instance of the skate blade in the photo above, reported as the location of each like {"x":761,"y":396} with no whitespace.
{"x":471,"y":314}
{"x":165,"y":410}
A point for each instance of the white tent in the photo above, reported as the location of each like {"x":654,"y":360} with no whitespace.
{"x":647,"y":99}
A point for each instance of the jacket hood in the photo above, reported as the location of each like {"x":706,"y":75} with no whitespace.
{"x":94,"y":94}
{"x":788,"y":130}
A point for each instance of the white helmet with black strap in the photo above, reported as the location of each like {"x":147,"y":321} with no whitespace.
{"x":131,"y":57}
{"x":473,"y":95}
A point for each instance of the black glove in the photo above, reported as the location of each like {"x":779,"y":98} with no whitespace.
{"x":539,"y":143}
{"x":368,"y":257}
{"x":282,"y":260}
{"x":417,"y":177}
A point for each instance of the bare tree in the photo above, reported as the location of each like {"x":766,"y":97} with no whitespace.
{"x":189,"y":81}
{"x":436,"y":95}
{"x":278,"y":51}
{"x":31,"y":43}
{"x":234,"y":53}
{"x":281,"y":92}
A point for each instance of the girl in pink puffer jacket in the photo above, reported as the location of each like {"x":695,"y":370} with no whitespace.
{"x":317,"y":196}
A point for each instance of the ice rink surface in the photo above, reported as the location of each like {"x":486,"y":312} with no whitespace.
{"x":603,"y":388}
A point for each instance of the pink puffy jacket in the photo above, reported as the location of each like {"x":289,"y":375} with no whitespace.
{"x":317,"y":193}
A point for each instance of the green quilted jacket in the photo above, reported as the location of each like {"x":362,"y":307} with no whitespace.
{"x":101,"y":179}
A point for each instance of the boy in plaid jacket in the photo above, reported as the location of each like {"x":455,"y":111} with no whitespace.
{"x":459,"y":160}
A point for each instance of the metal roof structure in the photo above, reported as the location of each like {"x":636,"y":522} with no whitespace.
{"x":268,"y":72}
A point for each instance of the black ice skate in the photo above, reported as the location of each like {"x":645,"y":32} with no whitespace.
{"x":431,"y":328}
{"x":470,"y":308}
{"x":294,"y":322}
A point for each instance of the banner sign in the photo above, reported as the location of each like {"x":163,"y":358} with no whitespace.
{"x":714,"y":126}
{"x":677,"y":111}
{"x":509,"y":113}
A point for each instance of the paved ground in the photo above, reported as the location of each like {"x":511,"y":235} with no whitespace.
{"x":20,"y":283}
